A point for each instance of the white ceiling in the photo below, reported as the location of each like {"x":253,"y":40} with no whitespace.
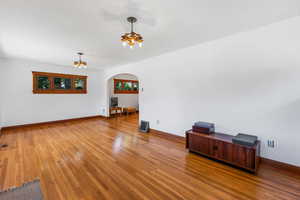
{"x":52,"y":31}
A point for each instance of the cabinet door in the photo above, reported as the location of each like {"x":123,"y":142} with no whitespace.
{"x":216,"y":148}
{"x":244,"y":156}
{"x":227,"y":151}
{"x":198,"y":144}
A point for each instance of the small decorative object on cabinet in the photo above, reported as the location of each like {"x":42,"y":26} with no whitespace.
{"x":204,"y":127}
{"x":244,"y":139}
{"x":219,"y":146}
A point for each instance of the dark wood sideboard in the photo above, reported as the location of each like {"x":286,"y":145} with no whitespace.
{"x":220,"y":146}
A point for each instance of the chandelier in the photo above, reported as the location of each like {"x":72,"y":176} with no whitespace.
{"x":80,"y":64}
{"x":132,"y":38}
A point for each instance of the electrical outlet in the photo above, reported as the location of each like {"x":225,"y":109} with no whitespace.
{"x":157,"y":121}
{"x":271,"y":143}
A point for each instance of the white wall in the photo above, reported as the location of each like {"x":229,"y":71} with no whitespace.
{"x":124,"y":100}
{"x":21,"y":106}
{"x":248,"y":82}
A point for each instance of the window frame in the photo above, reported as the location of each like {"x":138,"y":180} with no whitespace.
{"x":52,"y":89}
{"x":125,"y":91}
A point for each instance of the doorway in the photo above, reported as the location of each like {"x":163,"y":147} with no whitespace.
{"x":123,"y":97}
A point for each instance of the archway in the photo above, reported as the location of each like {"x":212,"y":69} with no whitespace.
{"x":122,"y":95}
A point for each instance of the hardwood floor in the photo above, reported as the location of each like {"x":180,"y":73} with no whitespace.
{"x":110,"y":159}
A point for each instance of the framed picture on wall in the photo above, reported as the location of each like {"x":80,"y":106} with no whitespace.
{"x":122,"y":86}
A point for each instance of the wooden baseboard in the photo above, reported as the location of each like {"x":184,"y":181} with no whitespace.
{"x":168,"y":136}
{"x":281,"y":165}
{"x":52,"y":122}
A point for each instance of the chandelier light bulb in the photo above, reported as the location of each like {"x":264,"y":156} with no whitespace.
{"x":140,"y":44}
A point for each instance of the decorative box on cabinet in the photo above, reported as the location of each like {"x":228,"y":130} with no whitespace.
{"x":220,"y":147}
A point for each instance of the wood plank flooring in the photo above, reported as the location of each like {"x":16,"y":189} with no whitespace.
{"x":109,"y":159}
